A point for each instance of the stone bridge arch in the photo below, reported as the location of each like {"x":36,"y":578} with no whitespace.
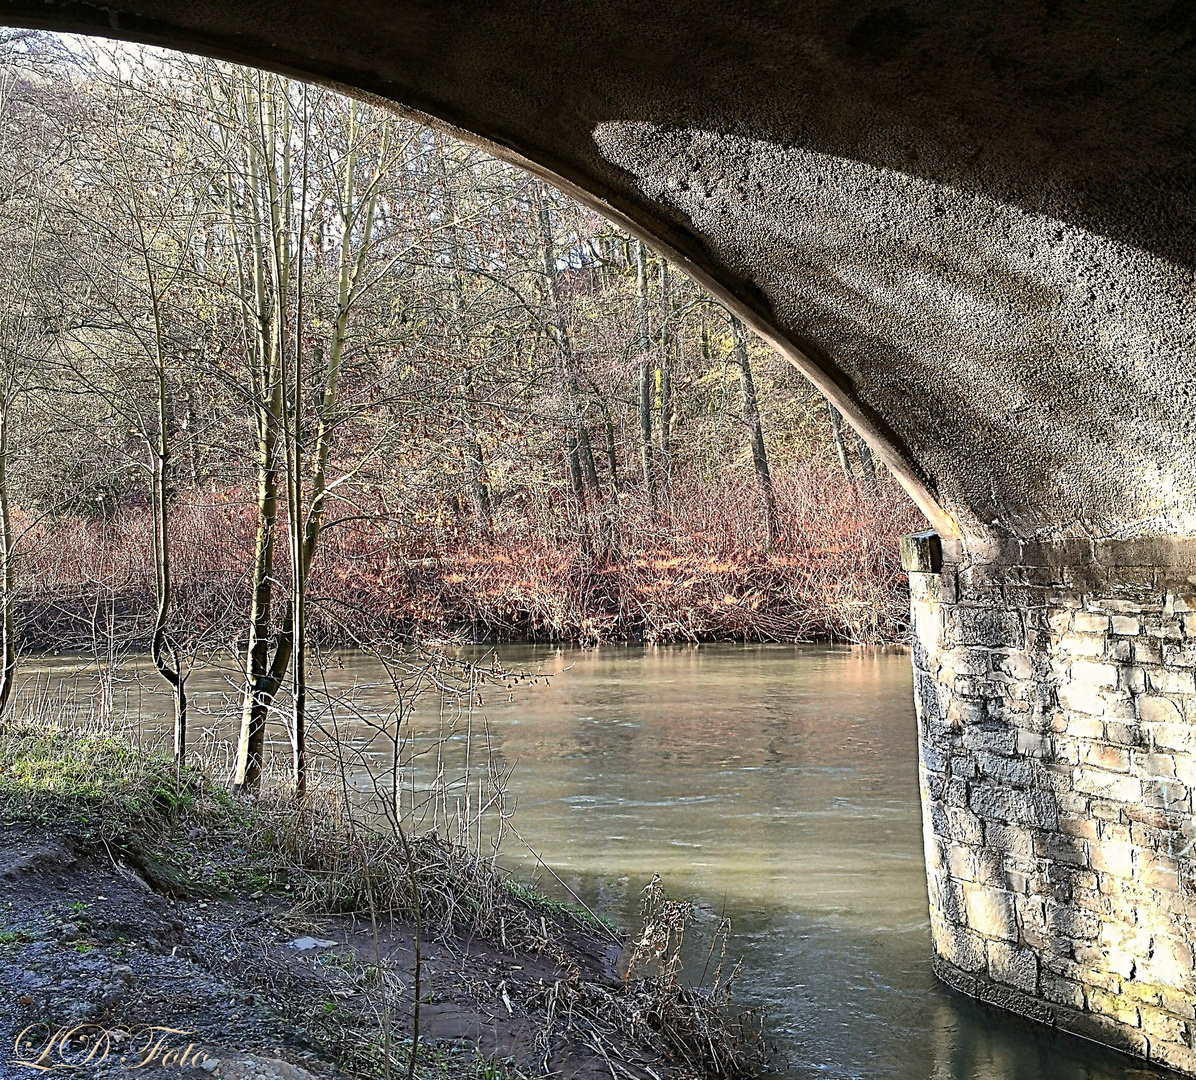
{"x":974,"y":228}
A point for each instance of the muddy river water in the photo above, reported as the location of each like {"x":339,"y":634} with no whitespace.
{"x":775,"y":784}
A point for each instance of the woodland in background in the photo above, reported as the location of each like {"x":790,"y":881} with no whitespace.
{"x":278,"y":367}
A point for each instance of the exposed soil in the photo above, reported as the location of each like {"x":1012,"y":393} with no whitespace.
{"x":84,"y":939}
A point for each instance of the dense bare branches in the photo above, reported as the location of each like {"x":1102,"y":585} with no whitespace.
{"x":231,"y":298}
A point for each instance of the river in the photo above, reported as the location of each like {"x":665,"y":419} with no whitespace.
{"x":774,"y":784}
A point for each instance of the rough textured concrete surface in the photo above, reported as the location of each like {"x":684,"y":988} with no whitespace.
{"x":974,"y":225}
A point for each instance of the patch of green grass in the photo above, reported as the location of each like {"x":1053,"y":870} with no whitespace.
{"x":436,"y":1059}
{"x":13,"y":937}
{"x":559,"y":910}
{"x":50,"y":774}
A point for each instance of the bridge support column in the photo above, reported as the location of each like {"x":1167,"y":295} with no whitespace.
{"x":1056,"y":705}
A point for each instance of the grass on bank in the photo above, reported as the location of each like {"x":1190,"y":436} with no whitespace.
{"x":190,"y":837}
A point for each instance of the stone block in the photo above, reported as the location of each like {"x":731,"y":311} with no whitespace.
{"x":1118,"y":651}
{"x":1142,"y":993}
{"x":996,"y":739}
{"x":1147,"y":651}
{"x":1158,"y":871}
{"x":1173,"y":1055}
{"x":1011,"y":839}
{"x":984,"y":626}
{"x":1061,"y":848}
{"x":1114,"y":1006}
{"x":1179,"y":656}
{"x":1171,"y":960}
{"x":990,"y":912}
{"x":1161,"y":1026}
{"x":955,"y":792}
{"x":1012,"y":966}
{"x":1182,"y":1007}
{"x":1035,"y":809}
{"x":1081,"y":697}
{"x":1171,"y":682}
{"x":963,"y":767}
{"x":1127,"y":625}
{"x":1015,"y":665}
{"x":958,"y":946}
{"x":1116,"y":831}
{"x":963,"y":661}
{"x":1123,"y":734}
{"x":1083,"y":828}
{"x":1087,"y":622}
{"x":966,"y":827}
{"x":1157,"y":764}
{"x":922,"y":553}
{"x":1082,"y":645}
{"x":933,"y":756}
{"x":1063,"y":918}
{"x":1084,"y":727}
{"x":1100,"y":756}
{"x":961,"y":862}
{"x":1093,"y":972}
{"x":1092,"y":673}
{"x":1169,"y":795}
{"x":1104,"y":810}
{"x":1105,"y":785}
{"x":1175,"y":736}
{"x":947,"y":900}
{"x":1008,"y":770}
{"x":1110,"y":857}
{"x":1062,"y":991}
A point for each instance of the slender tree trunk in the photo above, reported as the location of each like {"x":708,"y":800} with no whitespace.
{"x":158,"y":446}
{"x":560,"y":331}
{"x":751,"y":419}
{"x":573,"y":464}
{"x":645,"y":376}
{"x":866,"y":466}
{"x":8,"y":650}
{"x":666,"y":368}
{"x":471,"y":444}
{"x":295,"y":497}
{"x":256,"y":699}
{"x":840,"y":446}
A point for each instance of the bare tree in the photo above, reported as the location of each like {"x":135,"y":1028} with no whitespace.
{"x":755,"y":431}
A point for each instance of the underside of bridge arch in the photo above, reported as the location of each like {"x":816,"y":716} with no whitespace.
{"x":974,"y":227}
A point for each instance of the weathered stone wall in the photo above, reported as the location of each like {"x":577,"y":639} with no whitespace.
{"x":1057,"y":723}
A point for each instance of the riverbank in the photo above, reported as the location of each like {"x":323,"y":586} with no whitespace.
{"x":286,"y":941}
{"x":619,"y":572}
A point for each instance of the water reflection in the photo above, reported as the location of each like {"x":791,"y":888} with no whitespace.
{"x":777,"y":785}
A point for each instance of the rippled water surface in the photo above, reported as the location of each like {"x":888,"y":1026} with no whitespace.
{"x":778,"y":785}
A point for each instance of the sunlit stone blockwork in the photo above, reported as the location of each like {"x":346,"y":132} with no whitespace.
{"x":1057,"y":725}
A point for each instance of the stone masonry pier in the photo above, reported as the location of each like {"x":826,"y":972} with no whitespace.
{"x":1056,"y":699}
